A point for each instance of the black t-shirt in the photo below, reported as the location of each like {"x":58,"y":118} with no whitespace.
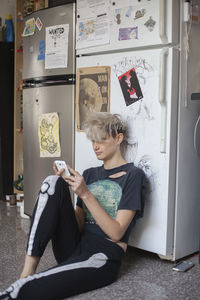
{"x":113,"y":194}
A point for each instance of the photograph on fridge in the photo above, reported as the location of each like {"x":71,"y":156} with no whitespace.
{"x":92,"y":92}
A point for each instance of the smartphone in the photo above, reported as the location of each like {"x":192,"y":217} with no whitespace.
{"x":183,"y":266}
{"x":60,"y":164}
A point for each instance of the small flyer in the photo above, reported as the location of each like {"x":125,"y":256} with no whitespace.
{"x":56,"y":41}
{"x":93,"y":23}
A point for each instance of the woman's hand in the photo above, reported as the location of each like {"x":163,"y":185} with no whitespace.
{"x":58,"y":173}
{"x":77,"y":183}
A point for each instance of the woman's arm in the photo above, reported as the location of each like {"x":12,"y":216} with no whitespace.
{"x":114,"y":228}
{"x":80,"y":217}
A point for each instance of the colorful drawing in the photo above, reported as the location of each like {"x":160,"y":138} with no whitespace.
{"x":48,"y":134}
{"x":29,"y":28}
{"x":130,"y":87}
{"x":86,"y":28}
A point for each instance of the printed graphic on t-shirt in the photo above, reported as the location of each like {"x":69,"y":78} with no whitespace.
{"x":108,"y":194}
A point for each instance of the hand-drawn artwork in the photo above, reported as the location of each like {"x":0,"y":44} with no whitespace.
{"x":144,"y":71}
{"x":48,"y":134}
{"x":139,"y":14}
{"x":150,"y":24}
{"x":129,"y":33}
{"x":140,"y":64}
{"x":145,"y":164}
{"x":92,"y":92}
{"x":131,"y":150}
{"x":130,"y":87}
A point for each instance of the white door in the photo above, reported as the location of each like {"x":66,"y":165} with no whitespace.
{"x":131,"y":24}
{"x":151,"y":117}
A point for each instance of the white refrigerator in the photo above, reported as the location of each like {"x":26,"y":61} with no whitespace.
{"x":163,"y":120}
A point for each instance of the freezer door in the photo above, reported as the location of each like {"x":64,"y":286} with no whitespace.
{"x":34,"y":45}
{"x":38,"y":101}
{"x":131,"y":24}
{"x":152,"y":79}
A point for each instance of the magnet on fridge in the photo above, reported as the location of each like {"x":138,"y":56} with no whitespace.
{"x":139,"y":14}
{"x":128,"y":13}
{"x":41,"y":46}
{"x":150,"y":24}
{"x":41,"y":56}
{"x":118,"y":15}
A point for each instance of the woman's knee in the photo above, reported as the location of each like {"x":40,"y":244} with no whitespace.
{"x":49,"y":185}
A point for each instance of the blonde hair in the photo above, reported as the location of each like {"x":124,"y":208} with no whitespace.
{"x":99,"y":125}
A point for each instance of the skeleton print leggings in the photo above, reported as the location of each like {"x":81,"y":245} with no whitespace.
{"x":85,"y":261}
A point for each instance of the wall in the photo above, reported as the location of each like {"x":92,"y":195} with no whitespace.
{"x":7,"y":7}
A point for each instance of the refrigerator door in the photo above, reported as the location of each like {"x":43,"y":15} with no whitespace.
{"x":34,"y":45}
{"x":187,"y":210}
{"x":132,"y":24}
{"x":152,"y":126}
{"x":39,"y":101}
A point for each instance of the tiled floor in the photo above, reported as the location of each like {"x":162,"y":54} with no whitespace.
{"x":143,"y":276}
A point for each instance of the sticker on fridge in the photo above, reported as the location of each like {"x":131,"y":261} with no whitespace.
{"x":39,"y":23}
{"x":130,"y":86}
{"x":29,"y":28}
{"x":48,"y":134}
{"x":130,"y":33}
{"x":56,"y":41}
{"x":150,"y":24}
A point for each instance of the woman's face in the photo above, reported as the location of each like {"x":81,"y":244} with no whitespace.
{"x":106,"y":148}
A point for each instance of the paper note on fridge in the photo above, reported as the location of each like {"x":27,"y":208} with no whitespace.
{"x":48,"y":134}
{"x":95,"y":29}
{"x":56,"y":41}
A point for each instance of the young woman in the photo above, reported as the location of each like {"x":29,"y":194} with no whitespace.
{"x":90,"y":241}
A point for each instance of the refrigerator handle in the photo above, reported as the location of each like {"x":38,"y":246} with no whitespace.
{"x":162,"y":22}
{"x":195,"y":135}
{"x":162,"y":100}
